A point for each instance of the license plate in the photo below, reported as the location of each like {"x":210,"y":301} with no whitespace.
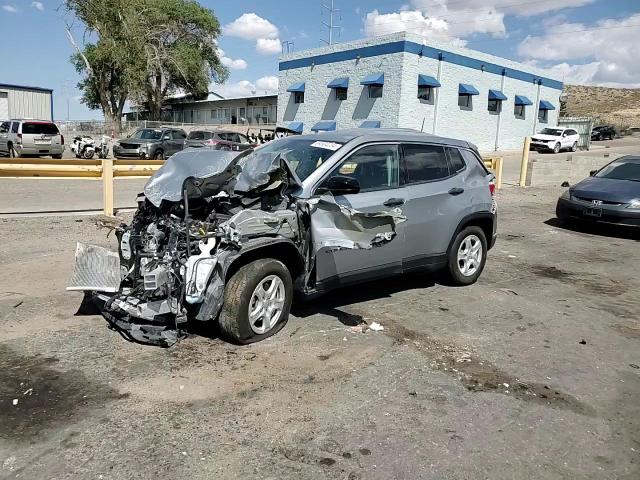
{"x":43,"y":142}
{"x":592,"y":212}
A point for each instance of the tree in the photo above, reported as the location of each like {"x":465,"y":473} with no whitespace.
{"x":144,"y":50}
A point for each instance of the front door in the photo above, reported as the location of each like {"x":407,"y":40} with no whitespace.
{"x":377,"y":169}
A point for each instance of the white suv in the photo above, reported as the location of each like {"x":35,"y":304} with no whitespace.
{"x":30,"y":137}
{"x":555,"y":139}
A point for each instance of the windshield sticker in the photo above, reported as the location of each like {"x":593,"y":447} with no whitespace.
{"x":326,"y":145}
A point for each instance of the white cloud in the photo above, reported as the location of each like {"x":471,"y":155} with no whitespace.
{"x":267,"y":84}
{"x":9,"y":8}
{"x":509,"y":7}
{"x":245,"y":88}
{"x":38,"y":6}
{"x":250,"y":26}
{"x":608,"y":56}
{"x":231,"y":63}
{"x":268,"y":46}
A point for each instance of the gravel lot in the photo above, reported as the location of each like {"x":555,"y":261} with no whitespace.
{"x":531,"y":373}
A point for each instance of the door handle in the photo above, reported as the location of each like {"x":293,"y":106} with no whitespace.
{"x":394,"y":202}
{"x":456,"y":191}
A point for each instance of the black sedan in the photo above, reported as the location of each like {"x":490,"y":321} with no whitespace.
{"x":609,"y":195}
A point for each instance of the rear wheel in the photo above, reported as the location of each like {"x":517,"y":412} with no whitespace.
{"x":556,"y":148}
{"x":467,"y":256}
{"x":257,"y":300}
{"x":57,"y":157}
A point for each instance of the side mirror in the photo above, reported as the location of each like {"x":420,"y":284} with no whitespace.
{"x":592,"y":173}
{"x":343,"y":185}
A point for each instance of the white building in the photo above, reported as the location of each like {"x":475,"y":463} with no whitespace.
{"x":401,"y":80}
{"x":17,"y":101}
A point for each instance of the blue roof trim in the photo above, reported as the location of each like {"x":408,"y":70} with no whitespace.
{"x":341,"y":82}
{"x":24,"y":87}
{"x":544,"y":105}
{"x":296,"y":87}
{"x":496,"y":95}
{"x":522,"y":100}
{"x":373,"y":79}
{"x":324,"y":126}
{"x":423,"y":50}
{"x":370,"y":124}
{"x":466,"y":89}
{"x":295,"y":126}
{"x":427,"y":81}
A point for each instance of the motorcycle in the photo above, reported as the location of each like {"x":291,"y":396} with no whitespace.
{"x":103,"y":148}
{"x":83,"y":147}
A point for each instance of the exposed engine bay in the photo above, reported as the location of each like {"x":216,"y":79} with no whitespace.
{"x":200,"y":212}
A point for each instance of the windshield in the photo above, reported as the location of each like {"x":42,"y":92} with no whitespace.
{"x":147,"y":134}
{"x":551,"y":131}
{"x":304,"y":155}
{"x":621,"y":170}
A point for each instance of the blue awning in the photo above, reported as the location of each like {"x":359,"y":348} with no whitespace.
{"x":427,"y":81}
{"x":324,"y":126}
{"x":341,"y":82}
{"x":370,"y":124}
{"x":296,"y":87}
{"x":544,"y":105}
{"x":295,"y":126}
{"x":522,"y":100}
{"x":465,"y":89}
{"x":496,"y":95}
{"x":373,"y":79}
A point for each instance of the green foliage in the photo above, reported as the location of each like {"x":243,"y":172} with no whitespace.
{"x":146,"y":50}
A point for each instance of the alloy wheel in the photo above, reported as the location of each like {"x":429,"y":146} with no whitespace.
{"x":266,"y":304}
{"x":470,"y":255}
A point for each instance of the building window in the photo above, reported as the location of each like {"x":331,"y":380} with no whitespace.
{"x":494,"y":106}
{"x":425,"y":93}
{"x":375,"y":91}
{"x":518,"y":111}
{"x":213,"y":114}
{"x":341,"y":94}
{"x":298,"y":97}
{"x":543,"y":115}
{"x":465,"y":101}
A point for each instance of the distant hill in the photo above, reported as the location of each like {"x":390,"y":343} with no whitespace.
{"x":617,"y":106}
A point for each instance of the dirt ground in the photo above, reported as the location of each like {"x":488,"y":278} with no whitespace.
{"x":531,"y":373}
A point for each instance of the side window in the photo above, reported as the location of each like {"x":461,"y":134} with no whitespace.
{"x":179,"y":135}
{"x":425,"y":163}
{"x":376,"y":167}
{"x":4,"y":127}
{"x":456,"y":162}
{"x":15,"y":127}
{"x":242,"y":139}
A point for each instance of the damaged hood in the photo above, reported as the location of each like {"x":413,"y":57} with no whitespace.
{"x":215,"y":170}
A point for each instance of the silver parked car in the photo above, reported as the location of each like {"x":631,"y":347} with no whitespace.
{"x":218,"y":140}
{"x":30,"y":137}
{"x":151,"y":143}
{"x":228,"y":237}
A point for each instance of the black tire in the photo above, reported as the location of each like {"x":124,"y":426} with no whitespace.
{"x":574,"y":147}
{"x":57,"y":157}
{"x":556,"y":148}
{"x":234,"y":316}
{"x":159,"y":155}
{"x":453,"y":266}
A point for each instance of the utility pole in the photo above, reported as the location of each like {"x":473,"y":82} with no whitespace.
{"x":330,"y":25}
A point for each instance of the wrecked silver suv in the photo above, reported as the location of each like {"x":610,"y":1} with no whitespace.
{"x":227,"y":237}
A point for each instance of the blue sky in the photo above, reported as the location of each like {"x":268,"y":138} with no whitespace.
{"x":582,"y":41}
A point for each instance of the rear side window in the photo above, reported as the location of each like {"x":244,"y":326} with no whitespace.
{"x":196,"y":136}
{"x":179,"y":135}
{"x":4,"y":127}
{"x":425,"y":163}
{"x":39,"y":128}
{"x":456,"y":162}
{"x":14,"y":127}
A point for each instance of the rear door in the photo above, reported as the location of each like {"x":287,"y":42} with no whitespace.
{"x":437,"y":200}
{"x":4,"y":136}
{"x":179,"y":138}
{"x":377,"y":168}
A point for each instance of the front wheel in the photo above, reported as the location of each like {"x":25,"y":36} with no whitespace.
{"x":88,"y":154}
{"x":574,"y":147}
{"x":13,"y":153}
{"x":159,"y":155}
{"x":257,"y":300}
{"x":57,"y":157}
{"x":556,"y":148}
{"x":467,"y":256}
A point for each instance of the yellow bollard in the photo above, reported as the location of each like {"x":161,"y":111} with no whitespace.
{"x":525,"y":161}
{"x":107,"y":186}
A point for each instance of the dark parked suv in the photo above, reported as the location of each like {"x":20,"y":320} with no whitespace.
{"x":227,"y":237}
{"x":218,"y":140}
{"x":158,"y":143}
{"x":603,"y":132}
